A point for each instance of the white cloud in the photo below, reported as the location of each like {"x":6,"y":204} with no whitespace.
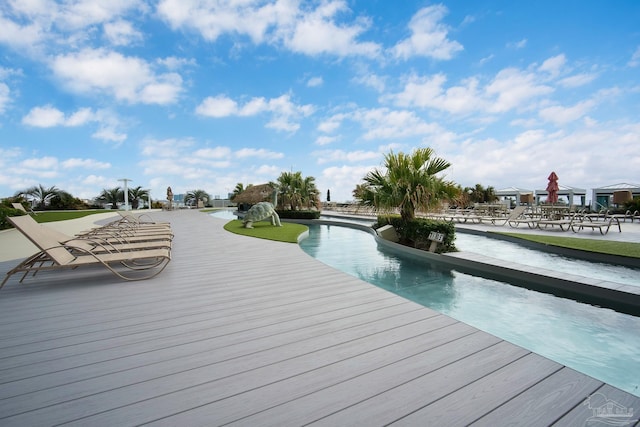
{"x":382,"y":123}
{"x":107,"y":133}
{"x":554,"y":66}
{"x":331,"y":124}
{"x":371,"y":80}
{"x":170,"y":147}
{"x":429,"y":37}
{"x":635,"y":58}
{"x":85,"y":164}
{"x":49,"y":116}
{"x":213,"y":19}
{"x":513,"y":88}
{"x":212,"y":153}
{"x":577,"y":80}
{"x":317,"y":32}
{"x":44,"y":117}
{"x":130,"y":79}
{"x":217,"y":106}
{"x":258,"y":152}
{"x":42,"y":25}
{"x":428,"y":92}
{"x":5,"y":97}
{"x":332,"y":156}
{"x":122,"y":33}
{"x":285,"y":114}
{"x":342,"y":180}
{"x":563,"y":115}
{"x":326,"y":140}
{"x":18,"y":36}
{"x":315,"y":82}
{"x":297,"y":26}
{"x":521,"y":44}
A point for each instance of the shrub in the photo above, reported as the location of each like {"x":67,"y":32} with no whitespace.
{"x":415,"y":233}
{"x":4,"y":213}
{"x":289,"y":214}
{"x":633,"y":205}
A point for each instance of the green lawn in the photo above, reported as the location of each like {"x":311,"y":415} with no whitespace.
{"x":46,"y":216}
{"x":289,"y":231}
{"x":590,"y":245}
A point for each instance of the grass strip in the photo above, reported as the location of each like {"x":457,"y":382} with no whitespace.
{"x":46,"y":216}
{"x":611,"y":247}
{"x":288,"y":233}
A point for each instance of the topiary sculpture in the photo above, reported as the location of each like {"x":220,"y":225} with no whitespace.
{"x":261,"y":211}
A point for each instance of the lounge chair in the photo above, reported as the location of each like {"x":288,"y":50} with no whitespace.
{"x":561,"y":222}
{"x":602,"y":226}
{"x":516,"y":213}
{"x":20,"y":207}
{"x":128,"y":265}
{"x":27,"y":225}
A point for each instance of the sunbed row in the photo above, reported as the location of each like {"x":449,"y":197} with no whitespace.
{"x":522,"y":215}
{"x":130,"y":248}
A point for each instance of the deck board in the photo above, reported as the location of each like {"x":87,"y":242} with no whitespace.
{"x":252,"y":332}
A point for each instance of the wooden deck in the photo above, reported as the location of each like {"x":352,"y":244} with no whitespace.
{"x":250,"y":332}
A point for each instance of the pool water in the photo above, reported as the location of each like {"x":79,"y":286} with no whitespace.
{"x":599,"y":342}
{"x":521,"y":254}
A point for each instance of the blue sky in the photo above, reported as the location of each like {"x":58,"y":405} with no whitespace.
{"x":205,"y":94}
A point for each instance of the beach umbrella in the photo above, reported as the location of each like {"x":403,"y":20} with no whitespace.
{"x":552,"y":188}
{"x":328,"y":195}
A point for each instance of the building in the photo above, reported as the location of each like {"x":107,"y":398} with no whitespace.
{"x":613,"y":195}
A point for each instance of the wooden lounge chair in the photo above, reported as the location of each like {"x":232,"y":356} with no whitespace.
{"x":128,"y":265}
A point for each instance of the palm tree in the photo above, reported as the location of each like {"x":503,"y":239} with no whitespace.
{"x":40,"y":194}
{"x":409,"y":182}
{"x":479,"y":194}
{"x":196,"y":196}
{"x":289,"y":187}
{"x":239,"y":188}
{"x":113,"y":196}
{"x":135,"y":194}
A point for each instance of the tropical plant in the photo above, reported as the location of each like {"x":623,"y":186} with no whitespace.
{"x":195,"y":196}
{"x":136,"y":194}
{"x":239,"y":188}
{"x":112,"y":195}
{"x":64,"y":200}
{"x":296,"y":191}
{"x":479,"y":194}
{"x":408,"y":182}
{"x":40,"y":194}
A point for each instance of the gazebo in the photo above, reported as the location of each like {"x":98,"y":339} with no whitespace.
{"x":615,"y":194}
{"x":252,"y":195}
{"x":522,"y":196}
{"x":564,"y":191}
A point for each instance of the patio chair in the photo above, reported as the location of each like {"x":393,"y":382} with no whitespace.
{"x":127,"y":265}
{"x":602,"y":226}
{"x":513,"y":215}
{"x":139,"y":219}
{"x":20,"y":207}
{"x":26,"y":225}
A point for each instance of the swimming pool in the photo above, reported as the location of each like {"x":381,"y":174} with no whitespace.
{"x":596,"y":341}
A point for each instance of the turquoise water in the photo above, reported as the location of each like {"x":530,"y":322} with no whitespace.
{"x":599,"y":342}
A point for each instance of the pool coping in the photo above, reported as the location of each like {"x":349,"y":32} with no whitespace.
{"x":602,"y":293}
